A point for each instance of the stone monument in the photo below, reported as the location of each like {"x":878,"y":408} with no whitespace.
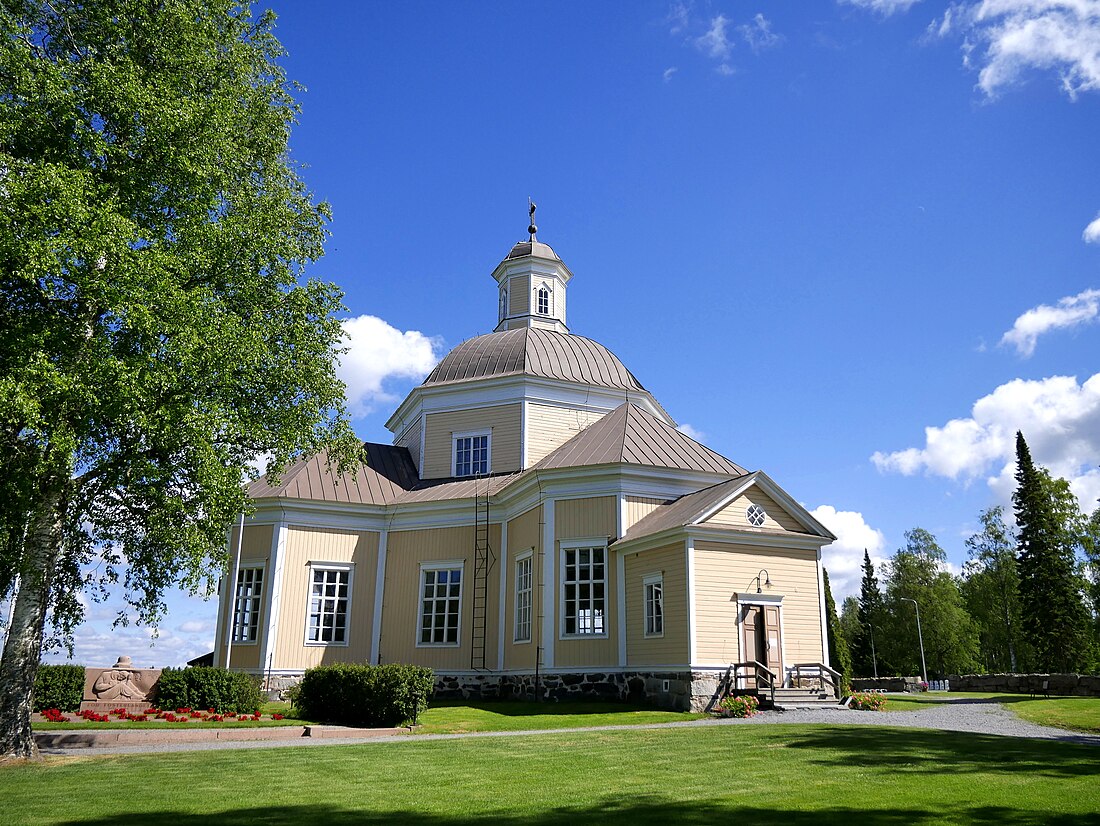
{"x":120,"y":686}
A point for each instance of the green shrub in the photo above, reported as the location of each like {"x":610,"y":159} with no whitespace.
{"x":865,"y":701}
{"x":227,"y":692}
{"x":365,"y":695}
{"x":58,"y":686}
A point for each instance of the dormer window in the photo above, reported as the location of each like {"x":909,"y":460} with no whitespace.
{"x":543,"y":300}
{"x":471,"y":455}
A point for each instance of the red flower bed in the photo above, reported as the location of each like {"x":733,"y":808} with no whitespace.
{"x":54,"y":715}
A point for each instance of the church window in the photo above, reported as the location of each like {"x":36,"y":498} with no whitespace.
{"x":756,"y":515}
{"x":471,"y":454}
{"x":523,"y":599}
{"x":440,"y":603}
{"x":654,"y":598}
{"x":329,"y":600}
{"x":246,"y":606}
{"x":544,"y":301}
{"x":584,"y":592}
{"x":503,"y":302}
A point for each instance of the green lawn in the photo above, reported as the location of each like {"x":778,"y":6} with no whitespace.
{"x":458,"y":716}
{"x":776,"y":774}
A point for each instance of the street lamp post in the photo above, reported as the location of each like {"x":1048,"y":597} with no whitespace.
{"x":920,"y":637}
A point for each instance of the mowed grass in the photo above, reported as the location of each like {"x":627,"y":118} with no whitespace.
{"x":775,"y":774}
{"x":460,"y":716}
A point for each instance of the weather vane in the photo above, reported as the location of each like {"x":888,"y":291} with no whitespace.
{"x":531,"y":207}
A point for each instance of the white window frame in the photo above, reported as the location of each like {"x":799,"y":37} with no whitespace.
{"x":599,"y":544}
{"x":549,"y":299}
{"x":441,"y":565}
{"x":504,"y":299}
{"x":648,"y":582}
{"x":472,"y":434}
{"x":528,"y":558}
{"x":339,"y":567}
{"x":258,"y":600}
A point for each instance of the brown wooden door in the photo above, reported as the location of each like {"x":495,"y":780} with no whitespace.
{"x":772,"y":640}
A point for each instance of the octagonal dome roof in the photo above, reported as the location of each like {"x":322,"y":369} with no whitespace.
{"x":532,"y":351}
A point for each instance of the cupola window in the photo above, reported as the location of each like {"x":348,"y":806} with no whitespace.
{"x":543,"y":301}
{"x":503,"y":302}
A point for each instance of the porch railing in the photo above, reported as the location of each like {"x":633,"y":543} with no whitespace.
{"x":758,"y":675}
{"x":819,"y":672}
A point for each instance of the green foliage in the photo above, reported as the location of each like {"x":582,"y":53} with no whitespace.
{"x":990,"y":589}
{"x":227,"y":692}
{"x":839,"y":657}
{"x":158,"y":332}
{"x":58,"y":686}
{"x":917,"y":571}
{"x":866,"y":659}
{"x":1049,"y":527}
{"x":365,"y":695}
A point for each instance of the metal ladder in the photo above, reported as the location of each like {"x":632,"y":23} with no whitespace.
{"x":483,"y":564}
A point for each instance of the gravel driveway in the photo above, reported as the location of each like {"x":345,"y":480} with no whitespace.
{"x":976,"y":716}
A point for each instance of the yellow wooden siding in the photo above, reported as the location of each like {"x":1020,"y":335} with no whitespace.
{"x":519,"y":298}
{"x":401,"y":605}
{"x":549,"y":427}
{"x":411,"y":440}
{"x":256,"y":547}
{"x":776,"y":518}
{"x":523,"y":535}
{"x":722,"y":571}
{"x":672,"y":648}
{"x":503,"y":420}
{"x":306,"y":545}
{"x":588,"y":519}
{"x":637,"y":508}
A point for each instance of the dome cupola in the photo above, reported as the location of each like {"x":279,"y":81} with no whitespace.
{"x":531,"y":283}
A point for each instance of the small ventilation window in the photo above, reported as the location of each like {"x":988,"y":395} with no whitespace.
{"x":756,"y":515}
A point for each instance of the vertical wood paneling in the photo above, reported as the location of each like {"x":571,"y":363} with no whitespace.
{"x":593,"y":518}
{"x":401,"y":606}
{"x":411,"y":440}
{"x":519,"y":295}
{"x":549,"y":427}
{"x":723,"y":571}
{"x":505,"y":445}
{"x":306,"y":545}
{"x":776,"y":518}
{"x":672,"y":648}
{"x":638,"y":507}
{"x":523,"y":535}
{"x":256,"y":547}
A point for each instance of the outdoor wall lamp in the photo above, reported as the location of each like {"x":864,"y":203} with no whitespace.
{"x":767,"y":580}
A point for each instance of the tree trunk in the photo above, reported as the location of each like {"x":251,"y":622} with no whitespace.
{"x":23,"y":648}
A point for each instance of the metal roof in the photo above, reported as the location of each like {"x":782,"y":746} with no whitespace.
{"x":535,"y":248}
{"x":630,"y":435}
{"x":682,"y":511}
{"x":533,"y":351}
{"x":388,"y":473}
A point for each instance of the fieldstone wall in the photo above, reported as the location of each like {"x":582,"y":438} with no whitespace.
{"x":1080,"y":685}
{"x":888,"y":683}
{"x":674,"y":689}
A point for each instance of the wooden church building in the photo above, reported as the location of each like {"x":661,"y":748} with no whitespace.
{"x":538,"y":525}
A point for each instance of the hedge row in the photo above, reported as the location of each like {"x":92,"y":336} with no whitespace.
{"x":364,"y":695}
{"x":227,"y":692}
{"x":58,"y":686}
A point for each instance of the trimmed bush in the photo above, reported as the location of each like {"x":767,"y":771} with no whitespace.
{"x":864,"y":701}
{"x":58,"y":686}
{"x":376,"y":696}
{"x":744,"y":705}
{"x":227,"y":692}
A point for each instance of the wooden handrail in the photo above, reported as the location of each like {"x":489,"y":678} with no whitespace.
{"x":821,"y":670}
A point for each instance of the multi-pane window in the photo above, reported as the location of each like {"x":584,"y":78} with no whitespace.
{"x":584,"y":586}
{"x":756,"y":515}
{"x":654,"y":592}
{"x":440,"y":605}
{"x":523,"y":600}
{"x":246,"y":605}
{"x":472,"y":455}
{"x":328,"y":606}
{"x":544,"y":301}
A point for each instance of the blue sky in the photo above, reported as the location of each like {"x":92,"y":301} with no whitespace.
{"x":848,"y":243}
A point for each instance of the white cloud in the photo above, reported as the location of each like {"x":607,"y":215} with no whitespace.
{"x":716,"y":43}
{"x":1091,"y":235}
{"x":1004,"y":39}
{"x":1059,"y":418}
{"x":197,"y":627}
{"x":758,"y":34}
{"x":678,"y":18}
{"x":844,"y":558}
{"x":692,"y":433}
{"x":725,"y":70}
{"x":669,"y":72}
{"x":1069,"y":312}
{"x":883,"y":7}
{"x":377,"y":353}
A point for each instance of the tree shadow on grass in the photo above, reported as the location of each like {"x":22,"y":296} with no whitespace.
{"x":636,"y":812}
{"x":939,"y":752}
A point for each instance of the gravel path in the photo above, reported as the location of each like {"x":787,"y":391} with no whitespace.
{"x":976,"y":716}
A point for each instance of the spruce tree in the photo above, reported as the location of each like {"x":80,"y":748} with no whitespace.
{"x":1053,"y":614}
{"x":870,"y":607}
{"x":840,"y":659}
